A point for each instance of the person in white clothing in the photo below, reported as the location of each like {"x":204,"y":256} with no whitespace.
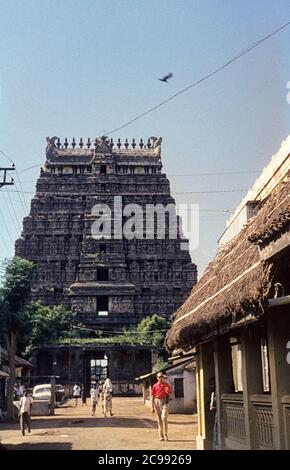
{"x":25,"y":405}
{"x":18,"y":391}
{"x":108,"y":386}
{"x":94,"y":393}
{"x":76,"y":393}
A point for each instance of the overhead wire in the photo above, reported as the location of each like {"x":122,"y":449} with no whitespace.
{"x":204,"y":78}
{"x":20,"y":192}
{"x":6,"y":227}
{"x":16,"y":223}
{"x":8,"y":249}
{"x":42,"y":193}
{"x":217,"y":173}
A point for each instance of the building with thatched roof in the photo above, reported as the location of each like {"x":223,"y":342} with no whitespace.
{"x":237,"y":317}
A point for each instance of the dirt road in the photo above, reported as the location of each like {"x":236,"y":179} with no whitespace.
{"x":132,"y":427}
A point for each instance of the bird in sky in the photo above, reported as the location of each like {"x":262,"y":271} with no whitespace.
{"x":166,"y":77}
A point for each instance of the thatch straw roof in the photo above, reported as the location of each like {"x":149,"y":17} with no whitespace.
{"x":236,"y":283}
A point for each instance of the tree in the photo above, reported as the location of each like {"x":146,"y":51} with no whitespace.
{"x":150,"y":330}
{"x":13,"y":317}
{"x":48,"y":324}
{"x":160,"y":364}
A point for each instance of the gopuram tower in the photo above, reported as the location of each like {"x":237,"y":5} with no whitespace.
{"x":110,"y":280}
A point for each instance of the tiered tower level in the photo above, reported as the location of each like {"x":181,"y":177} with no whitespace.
{"x":109,"y":283}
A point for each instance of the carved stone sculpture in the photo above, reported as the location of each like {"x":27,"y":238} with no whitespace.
{"x":50,"y":147}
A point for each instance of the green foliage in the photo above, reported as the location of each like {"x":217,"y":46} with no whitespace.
{"x":160,"y":364}
{"x":13,"y":319}
{"x":48,"y":325}
{"x":14,"y":295}
{"x":150,"y":331}
{"x":113,"y":340}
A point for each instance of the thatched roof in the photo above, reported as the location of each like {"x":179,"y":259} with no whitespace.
{"x":236,"y":283}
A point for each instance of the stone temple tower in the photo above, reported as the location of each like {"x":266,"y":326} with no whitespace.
{"x":110,"y":282}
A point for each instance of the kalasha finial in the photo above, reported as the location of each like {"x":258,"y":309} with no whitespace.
{"x":111,"y":143}
{"x":96,"y":143}
{"x":126,"y":144}
{"x":148,"y":143}
{"x":133,"y":144}
{"x":89,"y":143}
{"x":119,"y":143}
{"x":73,"y":144}
{"x":58,"y":143}
{"x":141,"y":145}
{"x":81,"y":144}
{"x":65,"y":143}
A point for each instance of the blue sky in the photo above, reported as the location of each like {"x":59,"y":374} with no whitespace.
{"x":79,"y":68}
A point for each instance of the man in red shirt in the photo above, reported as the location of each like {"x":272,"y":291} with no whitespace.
{"x":160,"y":401}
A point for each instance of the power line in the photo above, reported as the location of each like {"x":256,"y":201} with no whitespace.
{"x":218,"y":173}
{"x":20,"y":185}
{"x":206,"y":77}
{"x":22,"y":200}
{"x":8,"y":249}
{"x":141,"y":194}
{"x":14,"y":219}
{"x":14,"y":213}
{"x":6,"y":226}
{"x":19,"y":197}
{"x":6,"y":156}
{"x":135,"y":332}
{"x":69,"y":198}
{"x":31,"y":167}
{"x":214,"y":191}
{"x":190,"y":174}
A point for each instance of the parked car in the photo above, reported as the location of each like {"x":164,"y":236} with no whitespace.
{"x":43,"y":392}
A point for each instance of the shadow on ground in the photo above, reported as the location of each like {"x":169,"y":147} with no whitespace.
{"x":89,"y":422}
{"x":39,"y":446}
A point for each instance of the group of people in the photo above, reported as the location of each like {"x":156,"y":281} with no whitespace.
{"x":160,"y":397}
{"x":99,"y":392}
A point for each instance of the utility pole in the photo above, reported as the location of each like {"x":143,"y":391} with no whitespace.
{"x":52,"y":394}
{"x":3,"y":181}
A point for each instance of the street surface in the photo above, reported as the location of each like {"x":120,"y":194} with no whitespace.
{"x":133,"y":427}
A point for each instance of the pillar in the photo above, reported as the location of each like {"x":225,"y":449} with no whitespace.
{"x":252,"y":380}
{"x":224,"y":382}
{"x":204,"y":374}
{"x":278,"y":338}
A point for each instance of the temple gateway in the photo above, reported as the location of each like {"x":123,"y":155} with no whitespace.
{"x":109,"y":282}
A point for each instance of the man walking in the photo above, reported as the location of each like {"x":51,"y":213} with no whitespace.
{"x":25,"y":405}
{"x":94,"y":393}
{"x":107,"y":402}
{"x":160,"y":401}
{"x":108,"y":386}
{"x":83,"y":395}
{"x":76,"y":393}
